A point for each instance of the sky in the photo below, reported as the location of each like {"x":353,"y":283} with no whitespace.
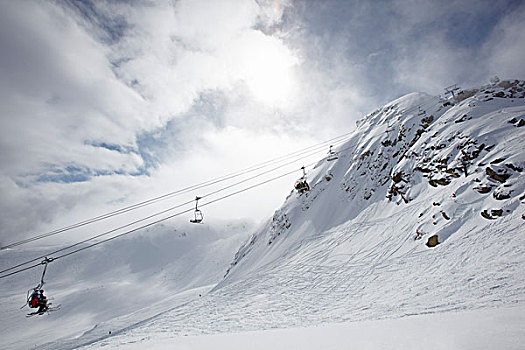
{"x":107,"y":103}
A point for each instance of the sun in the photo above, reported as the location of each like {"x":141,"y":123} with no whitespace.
{"x":268,"y":70}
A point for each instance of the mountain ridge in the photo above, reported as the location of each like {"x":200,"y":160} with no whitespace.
{"x":412,"y":145}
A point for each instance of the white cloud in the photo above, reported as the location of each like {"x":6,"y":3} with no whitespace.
{"x":75,"y":102}
{"x":506,"y":47}
{"x":463,"y":42}
{"x":432,"y":65}
{"x":58,"y":93}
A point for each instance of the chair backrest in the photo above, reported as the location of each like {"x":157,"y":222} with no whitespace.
{"x":198,"y":217}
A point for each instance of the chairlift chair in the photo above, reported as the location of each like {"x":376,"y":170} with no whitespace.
{"x":40,"y":286}
{"x":198,"y":214}
{"x":332,"y":155}
{"x":301,"y":185}
{"x":421,"y":112}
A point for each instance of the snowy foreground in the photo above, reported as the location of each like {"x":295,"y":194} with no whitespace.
{"x":480,"y":329}
{"x":348,"y":265}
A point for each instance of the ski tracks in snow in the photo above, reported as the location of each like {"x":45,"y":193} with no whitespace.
{"x":368,"y":280}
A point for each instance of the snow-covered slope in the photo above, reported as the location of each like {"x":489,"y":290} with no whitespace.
{"x":416,"y":172}
{"x":120,"y":282}
{"x":412,"y":170}
{"x":355,"y":247}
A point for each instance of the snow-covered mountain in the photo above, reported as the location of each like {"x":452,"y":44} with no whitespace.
{"x":423,"y":212}
{"x":418,"y":168}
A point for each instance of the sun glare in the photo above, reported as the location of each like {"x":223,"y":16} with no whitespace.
{"x":268,"y":71}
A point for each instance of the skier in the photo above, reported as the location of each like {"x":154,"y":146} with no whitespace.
{"x":42,"y":302}
{"x":34,"y":299}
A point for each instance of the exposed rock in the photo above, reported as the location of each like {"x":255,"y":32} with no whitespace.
{"x":497,"y":161}
{"x":443,"y":182}
{"x":464,"y":94}
{"x":463,"y":118}
{"x":452,"y":172}
{"x":521,"y":123}
{"x":422,"y":170}
{"x":500,"y":195}
{"x":502,"y":177}
{"x":397,"y":177}
{"x":496,"y":212}
{"x":486,"y":215}
{"x":505,"y":84}
{"x":425,"y":122}
{"x":483,"y":189}
{"x":386,"y":143}
{"x":476,"y":153}
{"x":366,"y":154}
{"x":432,"y":241}
{"x":489,"y":148}
{"x":514,"y":167}
{"x":445,"y":215}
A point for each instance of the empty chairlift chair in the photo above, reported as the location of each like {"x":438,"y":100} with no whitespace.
{"x":332,"y":155}
{"x":198,"y":214}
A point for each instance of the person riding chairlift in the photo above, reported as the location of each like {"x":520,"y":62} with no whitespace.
{"x":38,"y":300}
{"x":302,"y":186}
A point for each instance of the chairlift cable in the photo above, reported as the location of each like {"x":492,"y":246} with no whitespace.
{"x":214,"y":192}
{"x":136,"y":229}
{"x":339,"y":139}
{"x":148,"y":217}
{"x":178,"y":214}
{"x":152,"y":223}
{"x":99,"y":235}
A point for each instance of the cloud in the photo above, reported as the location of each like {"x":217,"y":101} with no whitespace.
{"x":506,"y":47}
{"x":58,"y":92}
{"x":106,"y":103}
{"x":97,"y":94}
{"x":455,"y":42}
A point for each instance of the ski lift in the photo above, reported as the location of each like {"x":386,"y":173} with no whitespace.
{"x":198,"y":214}
{"x":34,"y":293}
{"x":301,"y":185}
{"x":421,"y":112}
{"x":332,"y":155}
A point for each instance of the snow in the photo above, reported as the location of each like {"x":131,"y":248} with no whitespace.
{"x":119,"y":283}
{"x":344,"y":266}
{"x":479,"y":329}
